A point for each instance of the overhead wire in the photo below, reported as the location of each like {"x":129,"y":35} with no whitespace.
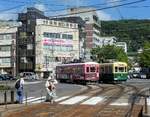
{"x":8,"y":9}
{"x":92,"y":5}
{"x":104,"y":8}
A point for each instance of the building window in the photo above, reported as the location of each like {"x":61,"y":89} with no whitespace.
{"x":5,"y":48}
{"x":55,"y":23}
{"x":51,"y":35}
{"x":65,"y":36}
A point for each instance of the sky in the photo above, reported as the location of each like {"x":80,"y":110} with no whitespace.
{"x":139,"y":10}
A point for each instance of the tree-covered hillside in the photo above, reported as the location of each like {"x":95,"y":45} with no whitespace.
{"x":134,"y":32}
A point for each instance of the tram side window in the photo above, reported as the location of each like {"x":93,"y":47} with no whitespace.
{"x":116,"y":69}
{"x":106,"y":69}
{"x":87,"y":69}
{"x":102,"y":69}
{"x":92,"y":69}
{"x":97,"y":69}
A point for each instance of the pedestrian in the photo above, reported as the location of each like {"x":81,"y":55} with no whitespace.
{"x":19,"y":89}
{"x":51,"y":88}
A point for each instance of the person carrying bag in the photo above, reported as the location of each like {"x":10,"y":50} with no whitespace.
{"x":51,"y":88}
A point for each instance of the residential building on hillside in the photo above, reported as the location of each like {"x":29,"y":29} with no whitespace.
{"x":123,"y":45}
{"x":8,"y":50}
{"x":92,"y":27}
{"x":107,"y":41}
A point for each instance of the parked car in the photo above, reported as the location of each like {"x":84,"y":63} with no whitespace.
{"x":136,"y":75}
{"x":29,"y":75}
{"x":142,"y":75}
{"x":145,"y":71}
{"x":2,"y":77}
{"x":7,"y":77}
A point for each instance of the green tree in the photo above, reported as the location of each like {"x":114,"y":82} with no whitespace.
{"x":133,"y":32}
{"x":109,"y":52}
{"x":144,"y":57}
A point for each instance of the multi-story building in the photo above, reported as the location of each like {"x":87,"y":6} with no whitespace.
{"x":43,"y":43}
{"x":26,"y":40}
{"x":107,"y":41}
{"x":82,"y":34}
{"x":123,"y":45}
{"x":56,"y":42}
{"x":92,"y":27}
{"x":8,"y":49}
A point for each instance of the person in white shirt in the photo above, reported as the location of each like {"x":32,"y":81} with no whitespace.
{"x":51,"y":88}
{"x":19,"y":89}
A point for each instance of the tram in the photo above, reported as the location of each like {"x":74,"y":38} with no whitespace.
{"x":78,"y":72}
{"x":113,"y":72}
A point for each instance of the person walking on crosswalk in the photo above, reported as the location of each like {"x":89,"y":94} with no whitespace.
{"x":19,"y":84}
{"x":51,"y":88}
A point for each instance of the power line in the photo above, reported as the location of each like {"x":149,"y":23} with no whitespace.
{"x":4,"y":10}
{"x":104,"y":8}
{"x":93,"y":5}
{"x":147,"y":6}
{"x":14,"y":1}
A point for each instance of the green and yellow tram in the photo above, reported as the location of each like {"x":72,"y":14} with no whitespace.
{"x":113,"y":72}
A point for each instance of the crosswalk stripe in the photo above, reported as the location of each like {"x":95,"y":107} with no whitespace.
{"x":67,"y":100}
{"x":35,"y":99}
{"x":74,"y":100}
{"x":61,"y":98}
{"x":38,"y":101}
{"x":148,"y":101}
{"x":93,"y":101}
{"x":119,"y":104}
{"x":24,"y":99}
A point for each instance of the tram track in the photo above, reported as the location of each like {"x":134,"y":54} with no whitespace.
{"x":112,"y":92}
{"x":95,"y":111}
{"x":90,"y":93}
{"x":77,"y":110}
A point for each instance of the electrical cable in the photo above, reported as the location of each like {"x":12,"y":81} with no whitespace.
{"x":104,"y":8}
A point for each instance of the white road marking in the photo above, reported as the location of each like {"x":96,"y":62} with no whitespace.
{"x":42,"y":99}
{"x":61,"y":98}
{"x":74,"y":100}
{"x":35,"y":99}
{"x":34,"y":82}
{"x":119,"y":104}
{"x":24,"y":99}
{"x":148,"y":101}
{"x":93,"y":101}
{"x":38,"y":101}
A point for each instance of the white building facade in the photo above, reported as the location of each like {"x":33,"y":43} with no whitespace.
{"x":107,"y":41}
{"x":92,"y":27}
{"x":122,"y":45}
{"x":56,"y":42}
{"x":8,"y":50}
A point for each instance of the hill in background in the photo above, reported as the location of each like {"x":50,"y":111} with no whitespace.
{"x":133,"y":32}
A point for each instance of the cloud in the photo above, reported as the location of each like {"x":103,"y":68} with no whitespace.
{"x":73,"y":3}
{"x":41,"y":7}
{"x":56,"y":14}
{"x":113,"y":2}
{"x":103,"y":15}
{"x":8,"y":16}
